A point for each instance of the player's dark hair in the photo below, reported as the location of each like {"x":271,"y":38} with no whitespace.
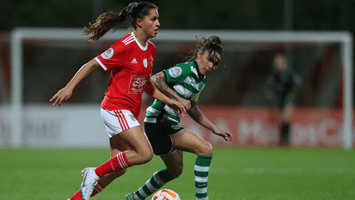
{"x":212,"y":44}
{"x":108,"y":20}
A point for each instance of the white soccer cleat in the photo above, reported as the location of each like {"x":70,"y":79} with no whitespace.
{"x":90,"y":180}
{"x":84,"y":171}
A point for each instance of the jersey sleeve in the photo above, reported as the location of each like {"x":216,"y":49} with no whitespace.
{"x":176,"y":74}
{"x":112,"y":57}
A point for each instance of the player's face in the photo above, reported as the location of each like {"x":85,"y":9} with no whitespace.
{"x":279,"y":63}
{"x":150,"y":24}
{"x":207,"y":63}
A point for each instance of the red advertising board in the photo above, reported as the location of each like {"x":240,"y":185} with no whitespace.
{"x":259,"y":126}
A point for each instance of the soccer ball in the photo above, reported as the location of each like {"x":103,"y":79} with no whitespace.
{"x":166,"y":194}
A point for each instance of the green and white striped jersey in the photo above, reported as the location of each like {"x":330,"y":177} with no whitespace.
{"x":183,"y":78}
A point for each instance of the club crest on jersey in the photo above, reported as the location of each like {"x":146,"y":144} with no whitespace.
{"x":145,"y":62}
{"x":200,"y":86}
{"x":107,"y":54}
{"x":175,"y":72}
{"x":175,"y":127}
{"x":132,"y":117}
{"x":151,"y":61}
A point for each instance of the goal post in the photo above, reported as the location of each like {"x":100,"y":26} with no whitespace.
{"x":344,"y":38}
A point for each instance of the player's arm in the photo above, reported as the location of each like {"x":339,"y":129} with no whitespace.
{"x":66,"y":92}
{"x":198,"y":117}
{"x":159,"y":81}
{"x":157,"y":94}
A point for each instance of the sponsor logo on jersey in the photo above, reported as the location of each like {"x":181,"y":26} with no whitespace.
{"x":175,"y":72}
{"x":136,"y":86}
{"x":134,"y":61}
{"x":145,"y":62}
{"x":107,"y":54}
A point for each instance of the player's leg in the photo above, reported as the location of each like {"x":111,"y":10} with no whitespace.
{"x":141,"y":153}
{"x":286,"y":114}
{"x":174,"y":166}
{"x":190,"y":142}
{"x":116,"y":146}
{"x":122,"y":126}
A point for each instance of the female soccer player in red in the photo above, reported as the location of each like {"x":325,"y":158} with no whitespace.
{"x":130,"y":60}
{"x":183,"y":82}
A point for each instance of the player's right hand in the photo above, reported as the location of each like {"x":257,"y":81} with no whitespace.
{"x":186,"y":103}
{"x":61,"y":95}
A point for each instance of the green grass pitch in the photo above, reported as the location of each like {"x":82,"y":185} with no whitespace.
{"x":235,"y":174}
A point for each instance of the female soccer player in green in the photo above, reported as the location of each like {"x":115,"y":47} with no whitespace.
{"x":184,"y":83}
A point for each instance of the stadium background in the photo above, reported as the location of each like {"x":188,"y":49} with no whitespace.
{"x":237,"y":91}
{"x":249,"y":168}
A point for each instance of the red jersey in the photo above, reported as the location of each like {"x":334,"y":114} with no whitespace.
{"x":131,"y":65}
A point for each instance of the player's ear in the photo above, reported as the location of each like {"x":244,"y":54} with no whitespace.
{"x":139,"y":22}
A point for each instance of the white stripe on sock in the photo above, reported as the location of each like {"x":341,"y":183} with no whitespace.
{"x":150,"y":186}
{"x":201,"y":190}
{"x":122,"y":161}
{"x":202,"y":169}
{"x":141,"y":192}
{"x":119,"y":160}
{"x":157,"y":179}
{"x":201,"y":179}
{"x":98,"y":188}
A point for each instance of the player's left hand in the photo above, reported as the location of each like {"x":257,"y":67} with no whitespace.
{"x":225,"y":134}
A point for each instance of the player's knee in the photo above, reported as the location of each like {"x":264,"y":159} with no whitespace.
{"x":146,"y":156}
{"x":207,"y":149}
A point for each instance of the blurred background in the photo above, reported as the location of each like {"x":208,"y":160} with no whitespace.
{"x":238,"y":91}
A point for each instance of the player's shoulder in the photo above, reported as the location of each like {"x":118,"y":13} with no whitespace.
{"x":152,"y":47}
{"x":119,"y":44}
{"x":182,"y":69}
{"x":124,"y":42}
{"x":186,"y":65}
{"x":127,"y":39}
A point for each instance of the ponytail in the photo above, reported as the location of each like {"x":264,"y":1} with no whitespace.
{"x":104,"y":23}
{"x":108,"y":20}
{"x":213,"y":44}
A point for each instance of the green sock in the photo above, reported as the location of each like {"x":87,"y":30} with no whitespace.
{"x":202,"y":167}
{"x":159,"y":178}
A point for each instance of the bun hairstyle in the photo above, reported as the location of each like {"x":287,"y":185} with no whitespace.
{"x":108,"y":20}
{"x":212,"y":44}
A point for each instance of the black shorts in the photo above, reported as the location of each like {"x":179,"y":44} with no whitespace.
{"x":159,"y":136}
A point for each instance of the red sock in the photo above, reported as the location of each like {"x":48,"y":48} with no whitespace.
{"x":115,"y":163}
{"x":98,"y":188}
